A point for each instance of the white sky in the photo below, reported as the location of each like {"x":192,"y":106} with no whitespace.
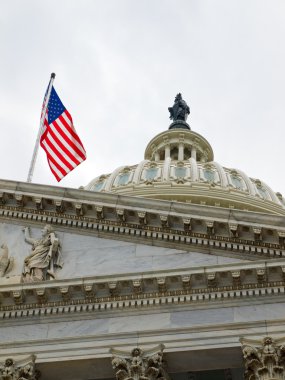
{"x":119,"y":65}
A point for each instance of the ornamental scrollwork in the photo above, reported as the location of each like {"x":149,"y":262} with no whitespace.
{"x":265,"y":361}
{"x":139,"y":365}
{"x":22,"y":370}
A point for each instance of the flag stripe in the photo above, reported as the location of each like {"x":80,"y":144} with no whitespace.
{"x":62,"y":148}
{"x":52,"y":155}
{"x":61,"y":155}
{"x":52,"y":163}
{"x":55,"y":171}
{"x":66,"y":129}
{"x":69,"y":146}
{"x":69,"y":125}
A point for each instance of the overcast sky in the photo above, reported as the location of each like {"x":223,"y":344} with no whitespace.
{"x":119,"y":65}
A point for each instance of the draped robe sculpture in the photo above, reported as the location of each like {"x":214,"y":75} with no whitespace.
{"x":44,"y":258}
{"x":180,"y":110}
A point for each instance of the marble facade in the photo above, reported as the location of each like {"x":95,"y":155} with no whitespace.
{"x":130,"y":283}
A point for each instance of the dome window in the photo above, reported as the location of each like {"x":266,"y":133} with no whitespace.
{"x":180,"y":172}
{"x":262,"y":192}
{"x":151,"y":173}
{"x":209,"y":175}
{"x":123,"y":179}
{"x":236,"y":182}
{"x":98,"y":186}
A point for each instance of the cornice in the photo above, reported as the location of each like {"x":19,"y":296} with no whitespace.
{"x":228,"y":283}
{"x":243,"y":234}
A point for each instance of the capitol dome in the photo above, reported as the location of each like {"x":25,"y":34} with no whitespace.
{"x":179,"y":166}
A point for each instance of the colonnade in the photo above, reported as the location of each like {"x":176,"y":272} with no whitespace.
{"x":263,"y":360}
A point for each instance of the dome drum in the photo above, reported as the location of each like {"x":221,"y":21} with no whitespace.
{"x":179,"y":146}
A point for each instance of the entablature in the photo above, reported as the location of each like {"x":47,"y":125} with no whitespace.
{"x":249,"y":234}
{"x":218,"y":283}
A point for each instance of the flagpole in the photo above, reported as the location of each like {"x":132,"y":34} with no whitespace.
{"x":36,"y":148}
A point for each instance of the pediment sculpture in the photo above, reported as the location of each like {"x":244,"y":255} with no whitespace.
{"x":45,"y":256}
{"x":6,"y":262}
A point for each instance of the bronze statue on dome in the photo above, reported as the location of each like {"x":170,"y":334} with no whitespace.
{"x":180,"y":110}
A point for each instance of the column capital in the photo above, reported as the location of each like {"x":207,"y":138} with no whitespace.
{"x":139,"y":364}
{"x":264,"y":359}
{"x":22,"y":369}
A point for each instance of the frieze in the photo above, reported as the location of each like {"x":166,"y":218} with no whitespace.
{"x":94,"y":224}
{"x":235,"y":283}
{"x":122,"y":302}
{"x":156,"y":225}
{"x":64,"y":218}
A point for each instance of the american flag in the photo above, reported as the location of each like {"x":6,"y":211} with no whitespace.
{"x":59,"y":139}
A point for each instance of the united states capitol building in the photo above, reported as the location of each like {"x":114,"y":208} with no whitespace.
{"x":172,"y":268}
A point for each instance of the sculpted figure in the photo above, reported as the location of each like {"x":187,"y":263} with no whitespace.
{"x":44,"y":258}
{"x":250,"y":353}
{"x":180,"y":110}
{"x":265,"y":361}
{"x":282,"y":355}
{"x":6,"y":262}
{"x":8,"y":370}
{"x":121,"y":367}
{"x":19,"y":371}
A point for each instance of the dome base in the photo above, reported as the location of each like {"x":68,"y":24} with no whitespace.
{"x":179,"y":124}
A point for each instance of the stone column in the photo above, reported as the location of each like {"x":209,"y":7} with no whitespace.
{"x":139,"y":365}
{"x":23,"y":369}
{"x":156,"y":156}
{"x":264,"y":360}
{"x":181,"y":152}
{"x":194,"y":152}
{"x":167,"y":151}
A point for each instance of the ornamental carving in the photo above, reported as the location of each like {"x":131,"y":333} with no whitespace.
{"x":139,"y":365}
{"x":264,"y":360}
{"x":44,"y":258}
{"x":6,"y":262}
{"x":21,"y":370}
